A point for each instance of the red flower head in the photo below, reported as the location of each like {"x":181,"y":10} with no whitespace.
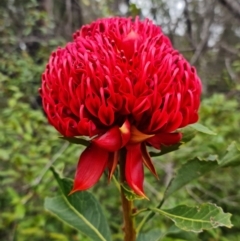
{"x":121,"y":83}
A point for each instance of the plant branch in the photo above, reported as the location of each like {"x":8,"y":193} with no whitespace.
{"x":233,"y":6}
{"x":205,"y":33}
{"x":188,"y":24}
{"x":230,"y":71}
{"x":140,"y":211}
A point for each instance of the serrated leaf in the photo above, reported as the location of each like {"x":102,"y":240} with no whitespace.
{"x":80,"y":210}
{"x":75,"y":140}
{"x":191,"y":170}
{"x":197,"y":219}
{"x":231,"y":157}
{"x":201,"y":128}
{"x":153,"y":235}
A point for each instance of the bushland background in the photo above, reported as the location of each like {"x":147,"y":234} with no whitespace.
{"x":206,"y":32}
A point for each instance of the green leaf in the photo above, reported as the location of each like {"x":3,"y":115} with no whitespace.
{"x":59,"y":207}
{"x":134,"y":10}
{"x":231,"y":157}
{"x":188,"y":135}
{"x":197,"y":219}
{"x":175,"y":232}
{"x":79,"y":210}
{"x":75,"y":140}
{"x":165,"y":150}
{"x":191,"y":170}
{"x":153,"y":235}
{"x":201,"y":128}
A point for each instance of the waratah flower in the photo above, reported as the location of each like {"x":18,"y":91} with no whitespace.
{"x":121,"y":83}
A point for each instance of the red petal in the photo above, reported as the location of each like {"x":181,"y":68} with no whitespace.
{"x":70,"y":127}
{"x":147,"y":160}
{"x":86,"y":127}
{"x":166,"y":139}
{"x":137,"y":136}
{"x":159,"y":118}
{"x":106,"y":115}
{"x":185,"y":113}
{"x":140,"y":106}
{"x":128,"y":104}
{"x":125,"y":131}
{"x":175,"y":123}
{"x":110,"y":141}
{"x":90,"y":167}
{"x":129,"y":44}
{"x":92,"y":104}
{"x":112,"y":163}
{"x":134,"y":169}
{"x":116,"y":101}
{"x":193,"y":118}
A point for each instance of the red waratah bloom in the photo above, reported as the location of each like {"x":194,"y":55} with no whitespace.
{"x":121,"y":83}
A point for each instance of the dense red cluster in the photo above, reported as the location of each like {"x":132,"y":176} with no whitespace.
{"x":121,"y":83}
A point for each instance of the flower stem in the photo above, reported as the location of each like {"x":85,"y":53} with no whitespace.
{"x":129,"y":224}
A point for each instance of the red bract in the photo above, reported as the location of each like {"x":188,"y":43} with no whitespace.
{"x":121,"y":83}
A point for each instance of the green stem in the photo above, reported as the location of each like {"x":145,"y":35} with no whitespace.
{"x":129,"y":224}
{"x":116,"y":182}
{"x":140,"y":211}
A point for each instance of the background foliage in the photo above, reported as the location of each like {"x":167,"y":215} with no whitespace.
{"x":205,"y":31}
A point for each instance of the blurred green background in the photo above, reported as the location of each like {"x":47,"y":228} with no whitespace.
{"x":206,"y":32}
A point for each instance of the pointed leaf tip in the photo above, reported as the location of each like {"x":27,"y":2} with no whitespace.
{"x":201,"y":128}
